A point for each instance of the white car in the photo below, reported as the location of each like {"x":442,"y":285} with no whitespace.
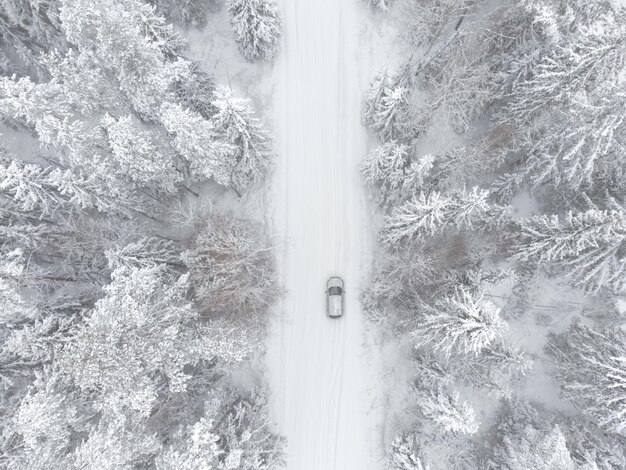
{"x":334,"y":297}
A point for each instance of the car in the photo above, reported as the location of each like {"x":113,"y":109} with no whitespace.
{"x":334,"y":297}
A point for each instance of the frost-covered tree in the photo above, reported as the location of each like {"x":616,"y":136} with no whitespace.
{"x":195,"y":91}
{"x":386,"y":107}
{"x":394,"y":173}
{"x":131,"y":41}
{"x":235,"y":435}
{"x":137,"y":154}
{"x":31,"y":27}
{"x":585,"y":246}
{"x":405,"y":454}
{"x":591,"y":368}
{"x":186,"y":12}
{"x":235,"y":124}
{"x":230,"y":267}
{"x":110,"y":446}
{"x":135,"y":343}
{"x":574,"y":148}
{"x":534,"y":448}
{"x":591,"y":448}
{"x":427,"y":215}
{"x":465,"y":323}
{"x":257,"y":25}
{"x":194,"y":138}
{"x":447,"y":411}
{"x":144,"y":253}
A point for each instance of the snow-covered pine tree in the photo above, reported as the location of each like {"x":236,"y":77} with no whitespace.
{"x":391,"y":170}
{"x":31,"y":27}
{"x":133,"y":43}
{"x":591,"y":448}
{"x":195,"y":91}
{"x":593,"y":54}
{"x":446,"y":410}
{"x":134,"y":344}
{"x":194,"y":139}
{"x":591,"y":368}
{"x":464,"y":323}
{"x":235,"y":124}
{"x":427,"y":215}
{"x":137,"y":155}
{"x":386,"y":107}
{"x":186,"y":12}
{"x":405,"y":454}
{"x":235,"y":435}
{"x":113,"y":445}
{"x":145,"y":252}
{"x":534,"y":448}
{"x":257,"y":25}
{"x":586,"y":246}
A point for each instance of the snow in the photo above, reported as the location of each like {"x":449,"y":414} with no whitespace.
{"x":325,"y":381}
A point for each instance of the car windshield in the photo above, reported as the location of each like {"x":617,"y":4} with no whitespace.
{"x":334,"y":291}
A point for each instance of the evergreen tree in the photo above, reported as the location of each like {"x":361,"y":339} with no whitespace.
{"x":257,"y":25}
{"x":465,"y":323}
{"x":234,"y":123}
{"x":194,"y":138}
{"x":406,"y":454}
{"x":137,"y":155}
{"x":592,"y":371}
{"x":586,"y":246}
{"x":135,"y":343}
{"x":447,"y":411}
{"x":391,"y":171}
{"x":428,"y":215}
{"x":534,"y":448}
{"x":386,"y":107}
{"x":131,"y":41}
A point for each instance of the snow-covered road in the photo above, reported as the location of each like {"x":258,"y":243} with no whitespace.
{"x":322,"y":375}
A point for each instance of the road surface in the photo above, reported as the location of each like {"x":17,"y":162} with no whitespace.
{"x":322,"y":376}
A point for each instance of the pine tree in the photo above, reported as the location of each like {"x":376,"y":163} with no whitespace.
{"x":47,"y":418}
{"x":428,"y":215}
{"x":405,"y":454}
{"x":386,"y":107}
{"x":536,"y":449}
{"x":31,"y":27}
{"x":235,"y":124}
{"x":447,"y":411}
{"x":235,"y":435}
{"x":137,"y":155}
{"x":195,"y":140}
{"x":592,"y":371}
{"x":135,"y":342}
{"x":390,"y":170}
{"x":465,"y":323}
{"x":110,"y":446}
{"x":586,"y":246}
{"x":133,"y":42}
{"x":257,"y":25}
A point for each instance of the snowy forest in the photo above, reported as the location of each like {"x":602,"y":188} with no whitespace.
{"x":499,"y":178}
{"x":145,"y":146}
{"x":129,"y":296}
